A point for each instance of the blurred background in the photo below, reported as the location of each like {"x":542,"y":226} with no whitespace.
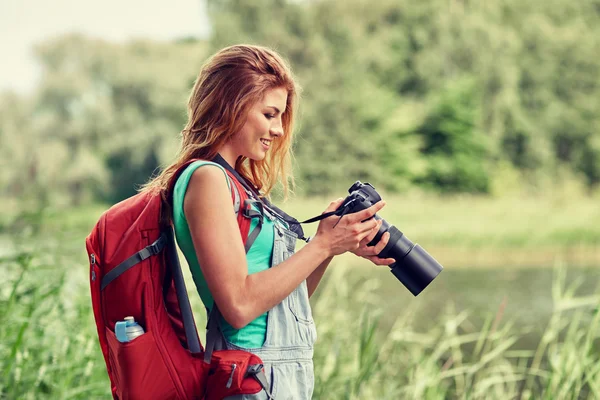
{"x":479,"y":123}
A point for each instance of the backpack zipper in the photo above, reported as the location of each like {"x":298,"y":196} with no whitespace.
{"x":230,"y":381}
{"x":93,"y":262}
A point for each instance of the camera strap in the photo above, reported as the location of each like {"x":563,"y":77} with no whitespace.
{"x":253,"y":193}
{"x":341,"y":211}
{"x":293,"y":223}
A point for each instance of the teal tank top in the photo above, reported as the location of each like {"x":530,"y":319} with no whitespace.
{"x":258,"y":259}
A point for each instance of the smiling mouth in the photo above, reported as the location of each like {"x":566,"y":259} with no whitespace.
{"x":266,"y":142}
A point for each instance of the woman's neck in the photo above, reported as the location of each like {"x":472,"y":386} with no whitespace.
{"x":229,"y":155}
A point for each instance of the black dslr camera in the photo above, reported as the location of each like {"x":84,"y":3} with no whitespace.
{"x":414,"y":267}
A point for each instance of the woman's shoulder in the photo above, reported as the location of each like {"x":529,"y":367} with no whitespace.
{"x":199,"y":185}
{"x":204,"y":174}
{"x":209,"y":179}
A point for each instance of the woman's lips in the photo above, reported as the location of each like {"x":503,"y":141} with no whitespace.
{"x":266,"y":143}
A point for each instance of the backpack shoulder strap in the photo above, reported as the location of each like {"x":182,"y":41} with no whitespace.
{"x":245,"y":216}
{"x":235,"y":194}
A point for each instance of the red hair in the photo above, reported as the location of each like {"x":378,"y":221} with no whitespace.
{"x":228,"y":85}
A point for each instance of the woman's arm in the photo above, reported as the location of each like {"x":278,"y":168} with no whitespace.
{"x":215,"y":233}
{"x":313,"y":279}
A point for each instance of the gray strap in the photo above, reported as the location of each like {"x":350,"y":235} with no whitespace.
{"x":250,"y":213}
{"x":252,"y":237}
{"x":191,"y":334}
{"x":213,"y":333}
{"x":260,"y":378}
{"x":236,"y":194}
{"x":138,"y":257}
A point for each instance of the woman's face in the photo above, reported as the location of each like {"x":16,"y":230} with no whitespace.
{"x":263,"y":126}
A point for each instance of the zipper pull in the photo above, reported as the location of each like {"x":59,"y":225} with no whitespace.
{"x":93,"y":262}
{"x":230,"y":381}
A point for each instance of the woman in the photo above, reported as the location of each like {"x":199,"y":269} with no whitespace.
{"x":241,"y":111}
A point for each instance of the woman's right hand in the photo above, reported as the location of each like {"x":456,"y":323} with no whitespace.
{"x":349,"y":231}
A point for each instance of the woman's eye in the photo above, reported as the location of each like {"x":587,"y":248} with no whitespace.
{"x":269,"y":116}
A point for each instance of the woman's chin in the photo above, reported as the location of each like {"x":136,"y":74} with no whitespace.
{"x":258,"y":156}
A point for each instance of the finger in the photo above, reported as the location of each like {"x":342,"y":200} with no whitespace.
{"x":333,"y":205}
{"x":370,"y":250}
{"x":380,"y":261}
{"x":375,"y":250}
{"x":372,"y":234}
{"x":367,"y":212}
{"x":363,"y":235}
{"x":363,"y":252}
{"x":385,"y":238}
{"x":365,"y":228}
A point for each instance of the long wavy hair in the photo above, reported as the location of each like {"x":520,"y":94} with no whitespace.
{"x":228,"y":85}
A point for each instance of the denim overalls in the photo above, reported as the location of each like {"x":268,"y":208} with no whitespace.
{"x":288,"y":348}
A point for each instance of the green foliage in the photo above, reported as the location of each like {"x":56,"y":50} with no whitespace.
{"x":456,"y":153}
{"x":434,"y":94}
{"x":104,"y":118}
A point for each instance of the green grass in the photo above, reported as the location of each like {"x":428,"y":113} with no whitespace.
{"x":48,"y":342}
{"x":49,"y":350}
{"x":371,"y":343}
{"x":454,"y":358}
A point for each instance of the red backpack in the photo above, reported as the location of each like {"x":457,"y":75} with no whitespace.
{"x":135,"y":271}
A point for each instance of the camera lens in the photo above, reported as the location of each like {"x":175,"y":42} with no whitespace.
{"x":414,"y":267}
{"x":417,"y":270}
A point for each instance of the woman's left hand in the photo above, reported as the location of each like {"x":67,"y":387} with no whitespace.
{"x":370,"y":253}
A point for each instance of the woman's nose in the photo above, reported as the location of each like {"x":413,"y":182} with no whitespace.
{"x":276,"y":130}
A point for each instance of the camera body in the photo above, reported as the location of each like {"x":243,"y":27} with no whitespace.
{"x":414,"y":267}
